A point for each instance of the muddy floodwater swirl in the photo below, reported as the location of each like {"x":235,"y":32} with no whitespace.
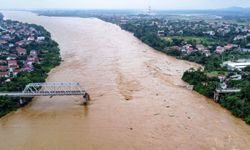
{"x":138,"y":98}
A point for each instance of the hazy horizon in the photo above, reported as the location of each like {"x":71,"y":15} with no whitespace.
{"x":121,"y":4}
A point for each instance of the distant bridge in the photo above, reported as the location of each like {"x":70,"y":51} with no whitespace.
{"x":50,"y":89}
{"x":218,"y":92}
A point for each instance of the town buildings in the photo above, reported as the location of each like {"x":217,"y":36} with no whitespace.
{"x":236,"y":65}
{"x":14,"y":56}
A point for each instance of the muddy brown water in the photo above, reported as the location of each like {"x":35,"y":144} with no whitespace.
{"x":138,"y":101}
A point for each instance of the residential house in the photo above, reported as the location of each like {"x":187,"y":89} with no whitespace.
{"x":3,"y":68}
{"x":236,"y":77}
{"x":11,"y":57}
{"x":200,"y":47}
{"x":20,"y":43}
{"x":21,"y":51}
{"x":12,"y":63}
{"x":31,"y":38}
{"x":207,"y":53}
{"x":219,"y":50}
{"x":161,"y":33}
{"x":40,"y":38}
{"x":190,"y":50}
{"x":228,"y":46}
{"x":12,"y":67}
{"x":245,"y":49}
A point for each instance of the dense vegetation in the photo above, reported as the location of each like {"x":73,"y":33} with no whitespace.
{"x":50,"y":57}
{"x":201,"y":82}
{"x":237,"y":103}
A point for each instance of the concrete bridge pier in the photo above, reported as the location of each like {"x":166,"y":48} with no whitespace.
{"x":86,"y":99}
{"x":21,"y":102}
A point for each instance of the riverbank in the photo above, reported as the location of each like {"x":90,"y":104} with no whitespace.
{"x":113,"y":67}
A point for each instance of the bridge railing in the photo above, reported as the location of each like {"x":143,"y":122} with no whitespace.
{"x":49,"y":89}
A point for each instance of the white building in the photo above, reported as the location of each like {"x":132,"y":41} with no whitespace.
{"x":235,"y":65}
{"x":236,"y":77}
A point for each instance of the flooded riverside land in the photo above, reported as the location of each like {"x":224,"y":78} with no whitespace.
{"x":138,"y":99}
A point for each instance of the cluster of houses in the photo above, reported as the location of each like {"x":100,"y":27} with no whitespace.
{"x":202,"y":28}
{"x":188,"y":49}
{"x":234,"y":67}
{"x":213,"y":30}
{"x":14,"y":58}
{"x":167,"y":27}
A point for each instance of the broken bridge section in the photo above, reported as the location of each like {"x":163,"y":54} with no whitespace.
{"x":50,"y":89}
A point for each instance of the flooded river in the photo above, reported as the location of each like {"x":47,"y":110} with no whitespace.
{"x":138,"y":99}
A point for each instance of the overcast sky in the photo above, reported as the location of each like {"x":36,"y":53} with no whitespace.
{"x":122,"y":4}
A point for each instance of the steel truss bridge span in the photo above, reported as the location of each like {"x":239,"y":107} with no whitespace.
{"x":50,"y":89}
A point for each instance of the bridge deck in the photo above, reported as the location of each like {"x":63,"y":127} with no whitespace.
{"x":49,"y":93}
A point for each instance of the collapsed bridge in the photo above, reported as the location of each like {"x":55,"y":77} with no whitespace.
{"x":51,"y":89}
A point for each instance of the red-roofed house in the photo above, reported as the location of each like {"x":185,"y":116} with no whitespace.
{"x":13,"y":67}
{"x":3,"y":68}
{"x":20,"y":43}
{"x":229,"y":46}
{"x":3,"y":62}
{"x":190,"y":50}
{"x":21,"y":51}
{"x":12,"y":62}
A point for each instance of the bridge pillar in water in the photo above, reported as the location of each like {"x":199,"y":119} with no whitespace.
{"x":21,"y":102}
{"x":86,"y":99}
